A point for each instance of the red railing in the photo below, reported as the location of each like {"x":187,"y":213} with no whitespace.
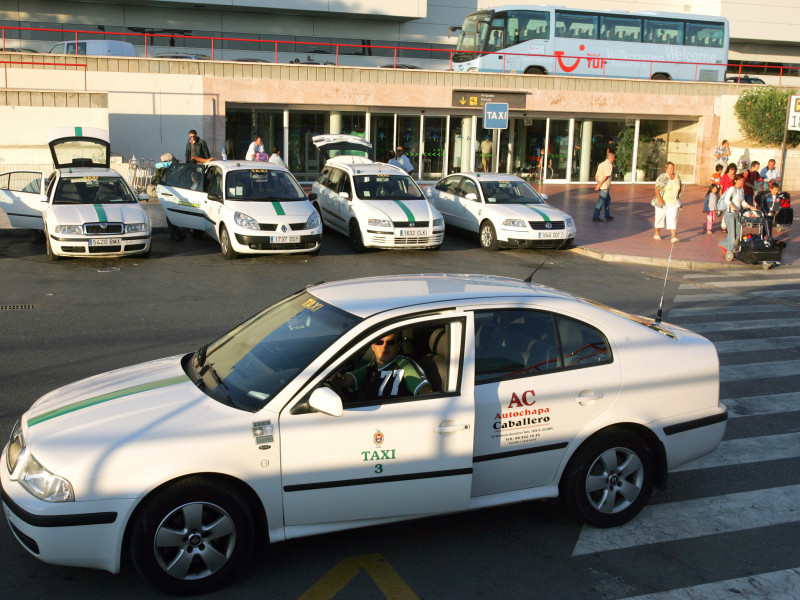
{"x":335,"y":51}
{"x":41,"y":63}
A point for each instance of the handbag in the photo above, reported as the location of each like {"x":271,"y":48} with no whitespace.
{"x":654,"y":202}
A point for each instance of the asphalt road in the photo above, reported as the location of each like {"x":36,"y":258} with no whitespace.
{"x":74,"y":318}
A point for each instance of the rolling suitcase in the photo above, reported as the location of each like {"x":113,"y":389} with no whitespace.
{"x":755,"y":250}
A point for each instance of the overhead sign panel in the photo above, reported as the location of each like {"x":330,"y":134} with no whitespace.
{"x":478,"y":98}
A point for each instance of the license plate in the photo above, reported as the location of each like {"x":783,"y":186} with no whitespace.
{"x":284,"y":239}
{"x":545,"y":235}
{"x":105,"y":242}
{"x":412,"y":232}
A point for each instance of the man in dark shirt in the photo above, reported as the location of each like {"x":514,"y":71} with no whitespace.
{"x":752,"y":176}
{"x":196,"y":149}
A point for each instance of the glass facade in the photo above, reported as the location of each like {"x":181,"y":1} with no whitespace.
{"x":541,"y":149}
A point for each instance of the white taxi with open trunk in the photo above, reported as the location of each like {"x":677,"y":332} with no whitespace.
{"x":358,"y":403}
{"x":84,"y":207}
{"x":249,"y":207}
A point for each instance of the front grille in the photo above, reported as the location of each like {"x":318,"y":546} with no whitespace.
{"x":300,"y":246}
{"x":411,"y":223}
{"x":104,"y":249}
{"x":109,"y":229}
{"x":542,"y":225}
{"x":76,"y":249}
{"x":134,"y":247}
{"x":400,"y":242}
{"x":25,"y":540}
{"x":274,"y":226}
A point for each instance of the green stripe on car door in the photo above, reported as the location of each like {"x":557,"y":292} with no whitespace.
{"x":538,"y":212}
{"x":409,"y":214}
{"x":136,"y":389}
{"x":101,"y":213}
{"x":278,"y":208}
{"x":79,"y":132}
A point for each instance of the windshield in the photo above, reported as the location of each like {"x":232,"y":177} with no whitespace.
{"x":248,"y":366}
{"x":93,"y":190}
{"x":472,"y":37}
{"x":262,"y":184}
{"x":387,"y":187}
{"x":510,"y":192}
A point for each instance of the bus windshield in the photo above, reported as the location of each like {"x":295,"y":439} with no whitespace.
{"x":473,"y":36}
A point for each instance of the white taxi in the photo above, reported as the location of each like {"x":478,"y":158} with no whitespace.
{"x":358,"y":403}
{"x":375,"y":205}
{"x":84,"y":207}
{"x":504,"y":210}
{"x":249,"y":207}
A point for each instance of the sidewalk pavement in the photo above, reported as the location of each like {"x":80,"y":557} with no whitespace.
{"x":628,"y":238}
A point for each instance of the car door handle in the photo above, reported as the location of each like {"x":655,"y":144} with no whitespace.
{"x":587,"y":397}
{"x":451,"y":427}
{"x":166,"y":194}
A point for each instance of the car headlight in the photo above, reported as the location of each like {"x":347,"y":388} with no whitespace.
{"x":136,"y":228}
{"x":313,"y":220}
{"x":514,"y":223}
{"x":16,"y":444}
{"x":569,"y":222}
{"x":246,"y":221}
{"x":43,"y":484}
{"x":70,"y":229}
{"x":379,"y":222}
{"x":438,"y":223}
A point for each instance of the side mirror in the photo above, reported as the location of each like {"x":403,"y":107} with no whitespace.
{"x":325,"y":400}
{"x":472,"y":196}
{"x":312,"y":196}
{"x":144,"y":196}
{"x":215,"y":198}
{"x":545,"y":197}
{"x":344,"y":195}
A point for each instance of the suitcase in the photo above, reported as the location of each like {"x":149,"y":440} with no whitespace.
{"x":755,"y":251}
{"x":784,"y":216}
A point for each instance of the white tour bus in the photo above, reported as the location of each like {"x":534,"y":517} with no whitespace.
{"x":550,"y":40}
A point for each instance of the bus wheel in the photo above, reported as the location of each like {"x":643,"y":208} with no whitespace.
{"x":535,"y":71}
{"x":661,"y":77}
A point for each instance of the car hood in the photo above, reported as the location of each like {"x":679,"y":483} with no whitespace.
{"x":78,"y":214}
{"x":528,"y":212}
{"x":134,"y":404}
{"x":261,"y":210}
{"x":403,"y":210}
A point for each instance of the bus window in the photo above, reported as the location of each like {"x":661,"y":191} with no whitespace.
{"x":663,"y":32}
{"x":620,"y":29}
{"x":704,"y":34}
{"x":576,"y":25}
{"x":524,"y":25}
{"x":496,"y":40}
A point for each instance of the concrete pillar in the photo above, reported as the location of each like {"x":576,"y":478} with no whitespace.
{"x":335,"y":122}
{"x":466,"y":143}
{"x":586,"y":151}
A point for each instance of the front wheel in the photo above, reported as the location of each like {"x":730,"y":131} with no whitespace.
{"x":661,"y":77}
{"x":356,"y":240}
{"x":51,"y":256}
{"x":488,"y":236}
{"x":225,"y":244}
{"x":610,"y":479}
{"x":535,"y":71}
{"x":191,"y":537}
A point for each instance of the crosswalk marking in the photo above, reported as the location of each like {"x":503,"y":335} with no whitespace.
{"x":772,"y":345}
{"x":777,"y":585}
{"x":713,"y":295}
{"x":734,"y":325}
{"x":694,"y":518}
{"x":726,"y":275}
{"x":760,"y":370}
{"x":726,"y":309}
{"x":762,"y":405}
{"x":739,"y":284}
{"x":747,"y":450}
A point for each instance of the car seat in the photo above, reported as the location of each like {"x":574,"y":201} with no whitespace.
{"x":69,"y":193}
{"x":436,"y":363}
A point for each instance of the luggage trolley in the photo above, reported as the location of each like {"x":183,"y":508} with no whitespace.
{"x":752,"y":245}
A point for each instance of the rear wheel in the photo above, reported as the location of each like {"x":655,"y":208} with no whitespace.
{"x":661,"y":77}
{"x":535,"y":71}
{"x":356,"y":241}
{"x":191,"y":537}
{"x":610,"y":479}
{"x":225,"y":244}
{"x":488,"y":236}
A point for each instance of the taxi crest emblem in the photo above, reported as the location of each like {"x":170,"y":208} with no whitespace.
{"x":378,"y":437}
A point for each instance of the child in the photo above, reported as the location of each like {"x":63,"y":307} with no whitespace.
{"x":717,"y":174}
{"x":710,"y":206}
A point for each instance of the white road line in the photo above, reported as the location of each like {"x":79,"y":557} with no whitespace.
{"x":762,"y":405}
{"x":723,"y":297}
{"x":747,"y":283}
{"x":771,"y":345}
{"x":709,"y":275}
{"x":695,"y":518}
{"x":758,"y":371}
{"x":726,"y":309}
{"x":778,"y":585}
{"x":734,"y":325}
{"x":748,"y":450}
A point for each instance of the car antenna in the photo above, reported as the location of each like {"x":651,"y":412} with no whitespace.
{"x":664,"y":289}
{"x":529,"y":278}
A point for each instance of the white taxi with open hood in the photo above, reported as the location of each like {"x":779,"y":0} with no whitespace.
{"x":84,"y":207}
{"x":358,"y":403}
{"x":375,"y":205}
{"x":249,"y":207}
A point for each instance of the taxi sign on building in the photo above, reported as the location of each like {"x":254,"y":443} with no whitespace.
{"x":495,"y":115}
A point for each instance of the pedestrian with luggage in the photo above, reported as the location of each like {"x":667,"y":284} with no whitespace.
{"x":255,"y":147}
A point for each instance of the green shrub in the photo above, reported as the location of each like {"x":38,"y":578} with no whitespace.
{"x":762,"y":115}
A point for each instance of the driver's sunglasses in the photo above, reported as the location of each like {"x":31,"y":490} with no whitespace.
{"x":393,"y":342}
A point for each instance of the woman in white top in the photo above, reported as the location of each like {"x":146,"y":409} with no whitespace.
{"x":668,"y":194}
